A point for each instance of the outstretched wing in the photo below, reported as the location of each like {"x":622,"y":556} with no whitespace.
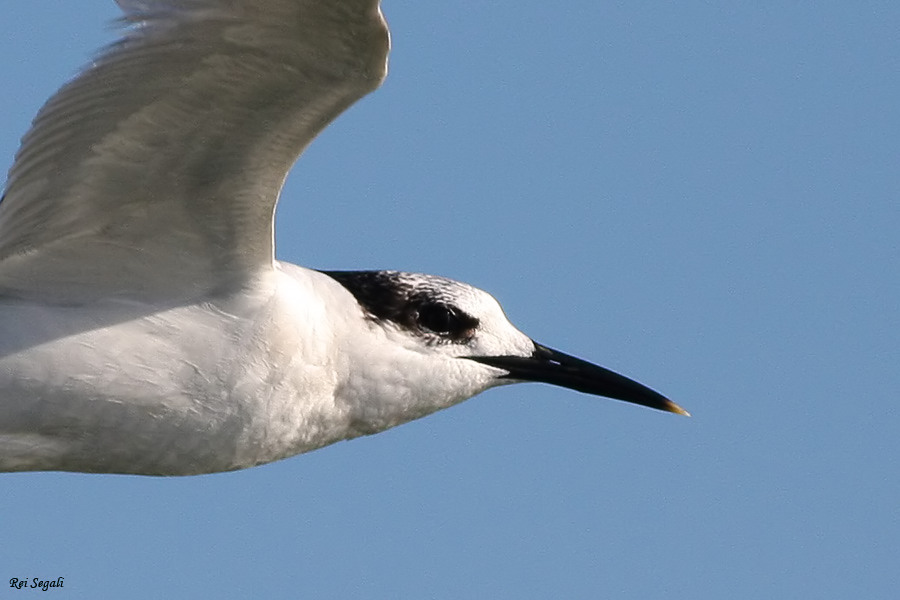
{"x":155,"y":173}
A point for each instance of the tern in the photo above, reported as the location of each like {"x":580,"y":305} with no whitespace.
{"x":145,"y":325}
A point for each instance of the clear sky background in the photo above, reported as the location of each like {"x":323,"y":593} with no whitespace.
{"x":703,"y":196}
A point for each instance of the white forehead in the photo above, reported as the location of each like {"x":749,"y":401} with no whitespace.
{"x":468,"y":298}
{"x":496,"y":335}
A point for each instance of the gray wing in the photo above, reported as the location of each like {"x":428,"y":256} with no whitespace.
{"x":156,"y":171}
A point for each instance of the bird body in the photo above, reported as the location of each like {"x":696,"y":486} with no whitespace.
{"x":201,"y":387}
{"x":219,"y":385}
{"x":145,"y":326}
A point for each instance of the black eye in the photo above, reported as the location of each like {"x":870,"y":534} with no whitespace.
{"x":439,"y":318}
{"x":445,"y":320}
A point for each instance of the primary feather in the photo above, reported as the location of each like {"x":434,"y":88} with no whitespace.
{"x":173,"y":146}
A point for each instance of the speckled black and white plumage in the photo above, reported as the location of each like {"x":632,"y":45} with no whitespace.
{"x":427,"y":305}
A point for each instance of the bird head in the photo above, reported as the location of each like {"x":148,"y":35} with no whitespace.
{"x":464,"y":343}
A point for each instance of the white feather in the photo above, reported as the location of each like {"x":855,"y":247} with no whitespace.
{"x":155,"y":173}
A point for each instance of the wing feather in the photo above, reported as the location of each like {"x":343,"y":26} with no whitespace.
{"x":156,"y":172}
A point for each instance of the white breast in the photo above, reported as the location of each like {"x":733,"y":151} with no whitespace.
{"x":122,"y":386}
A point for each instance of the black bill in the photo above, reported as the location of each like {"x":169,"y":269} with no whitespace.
{"x":552,"y":366}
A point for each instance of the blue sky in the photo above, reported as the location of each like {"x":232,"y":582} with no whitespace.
{"x":701,"y":196}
